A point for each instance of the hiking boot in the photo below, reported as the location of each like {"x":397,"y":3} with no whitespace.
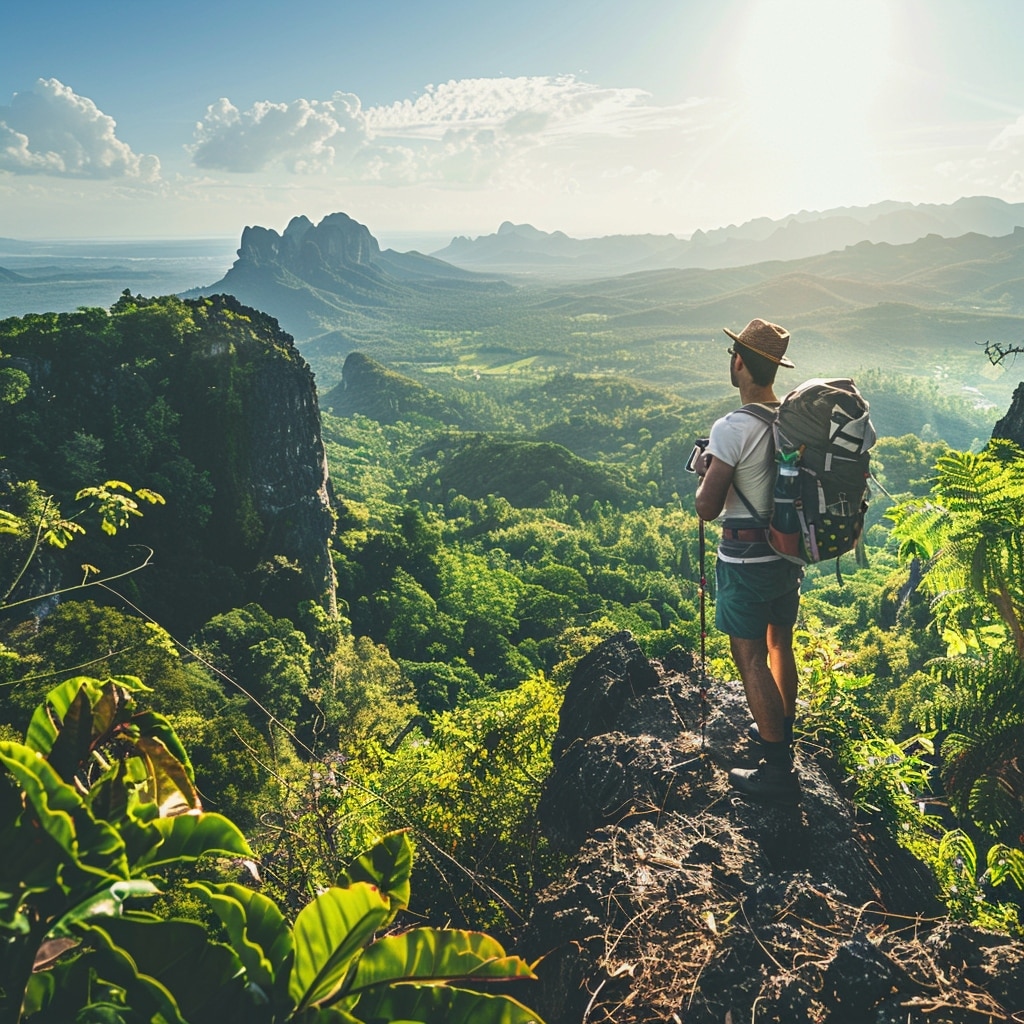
{"x":767,"y":782}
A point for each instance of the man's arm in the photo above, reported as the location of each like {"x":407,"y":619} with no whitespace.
{"x":715,"y":480}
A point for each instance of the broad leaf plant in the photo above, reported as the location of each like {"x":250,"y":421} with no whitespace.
{"x":98,"y":809}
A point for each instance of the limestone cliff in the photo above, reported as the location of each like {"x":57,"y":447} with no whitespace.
{"x":253,"y":423}
{"x":335,"y":241}
{"x":207,"y":402}
{"x":683,"y":902}
{"x":1011,"y":425}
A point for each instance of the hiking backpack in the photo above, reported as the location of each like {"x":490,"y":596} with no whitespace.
{"x":823,"y":427}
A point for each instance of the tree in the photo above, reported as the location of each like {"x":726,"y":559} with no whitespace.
{"x":268,"y":657}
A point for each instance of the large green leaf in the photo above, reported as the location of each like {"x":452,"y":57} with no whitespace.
{"x":108,"y":902}
{"x":140,"y":839}
{"x":387,"y":865}
{"x":29,"y":861}
{"x":151,"y":999}
{"x":439,"y":1004}
{"x":436,"y":954}
{"x":59,"y":993}
{"x":331,"y":1015}
{"x":174,"y":967}
{"x":152,"y":724}
{"x":258,"y":931}
{"x":168,"y":784}
{"x":42,"y":729}
{"x":188,"y":837}
{"x":74,"y":739}
{"x":1006,"y":862}
{"x":91,"y":845}
{"x":329,"y":933}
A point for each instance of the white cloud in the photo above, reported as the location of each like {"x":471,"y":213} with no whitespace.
{"x":51,"y":130}
{"x":1011,"y":138}
{"x":516,"y":106}
{"x":467,"y":133}
{"x":993,"y":168}
{"x":303,"y":136}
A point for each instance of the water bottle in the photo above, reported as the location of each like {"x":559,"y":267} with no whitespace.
{"x":785,"y":527}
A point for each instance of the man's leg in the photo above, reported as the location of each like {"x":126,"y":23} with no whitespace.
{"x":763,"y":693}
{"x":774,"y":778}
{"x":783,"y":666}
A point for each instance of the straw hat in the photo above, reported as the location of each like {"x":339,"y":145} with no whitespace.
{"x":768,"y":340}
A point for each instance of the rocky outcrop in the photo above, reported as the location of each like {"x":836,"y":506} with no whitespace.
{"x":684,"y":902}
{"x":209,"y":404}
{"x":253,"y":422}
{"x":1011,"y":426}
{"x":336,"y":241}
{"x":289,"y":482}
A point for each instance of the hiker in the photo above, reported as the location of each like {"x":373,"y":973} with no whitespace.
{"x":758,"y":591}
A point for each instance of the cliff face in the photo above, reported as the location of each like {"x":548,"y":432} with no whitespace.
{"x":336,"y":241}
{"x":208,"y":403}
{"x":684,"y":902}
{"x":287,"y":477}
{"x":1011,"y":426}
{"x":253,"y":423}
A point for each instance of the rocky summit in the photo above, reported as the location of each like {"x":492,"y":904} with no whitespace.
{"x":684,"y":902}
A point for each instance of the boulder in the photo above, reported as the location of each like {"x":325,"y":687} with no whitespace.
{"x":683,"y":901}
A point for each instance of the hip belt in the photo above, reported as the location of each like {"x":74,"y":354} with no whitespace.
{"x":750,"y":536}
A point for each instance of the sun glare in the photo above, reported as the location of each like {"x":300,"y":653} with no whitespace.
{"x":812,"y":73}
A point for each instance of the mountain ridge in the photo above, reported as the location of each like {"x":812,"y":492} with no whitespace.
{"x":524,"y":249}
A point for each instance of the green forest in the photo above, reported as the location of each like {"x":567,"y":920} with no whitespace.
{"x":221,"y":745}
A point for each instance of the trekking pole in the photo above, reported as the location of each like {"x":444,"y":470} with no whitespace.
{"x":702,"y":678}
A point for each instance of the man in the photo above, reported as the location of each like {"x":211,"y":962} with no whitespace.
{"x":758,"y":592}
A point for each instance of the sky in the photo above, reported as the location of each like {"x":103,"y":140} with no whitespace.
{"x":425,"y":121}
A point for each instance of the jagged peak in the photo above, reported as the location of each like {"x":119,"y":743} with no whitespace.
{"x":297,"y":227}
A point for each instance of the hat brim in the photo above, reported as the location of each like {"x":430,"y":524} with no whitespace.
{"x":782,"y":360}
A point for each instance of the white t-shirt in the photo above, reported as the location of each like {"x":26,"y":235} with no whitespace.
{"x":743,"y":442}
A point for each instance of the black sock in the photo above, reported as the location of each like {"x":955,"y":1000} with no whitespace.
{"x":777,"y":754}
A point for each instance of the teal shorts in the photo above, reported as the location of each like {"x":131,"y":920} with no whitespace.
{"x":753,"y":596}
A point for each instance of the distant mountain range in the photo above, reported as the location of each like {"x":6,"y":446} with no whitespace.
{"x":523,"y":249}
{"x":914,"y":308}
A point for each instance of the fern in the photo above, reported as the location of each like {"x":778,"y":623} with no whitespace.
{"x":981,"y":719}
{"x":970,"y":534}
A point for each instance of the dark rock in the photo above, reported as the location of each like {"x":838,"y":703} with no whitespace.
{"x":604,"y":681}
{"x":1001,"y":974}
{"x":684,"y":902}
{"x":859,"y":976}
{"x":1011,"y":426}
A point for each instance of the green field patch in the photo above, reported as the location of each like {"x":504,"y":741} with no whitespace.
{"x":519,"y":364}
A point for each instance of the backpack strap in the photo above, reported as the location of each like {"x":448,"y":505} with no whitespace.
{"x":766,"y":414}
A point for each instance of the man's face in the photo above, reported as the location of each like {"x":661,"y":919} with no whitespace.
{"x":733,"y":378}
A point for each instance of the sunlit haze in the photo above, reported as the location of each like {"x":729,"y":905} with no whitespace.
{"x":434,"y":120}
